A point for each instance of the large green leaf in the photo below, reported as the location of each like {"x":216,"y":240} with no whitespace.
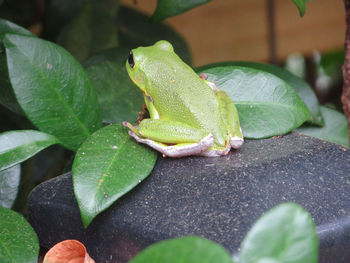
{"x":120,"y":100}
{"x":267,"y":105}
{"x":334,"y":130}
{"x":7,"y":96}
{"x":135,"y":30}
{"x":107,"y":165}
{"x":52,"y":88}
{"x":9,"y":185}
{"x":18,"y":241}
{"x":92,"y":29}
{"x":285,"y":233}
{"x":166,"y":8}
{"x":190,"y":249}
{"x":18,"y":146}
{"x":301,"y":5}
{"x":299,"y":85}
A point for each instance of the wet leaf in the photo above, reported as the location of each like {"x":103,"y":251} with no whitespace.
{"x":52,"y":88}
{"x":286,"y":233}
{"x":18,"y":240}
{"x":18,"y":146}
{"x":120,"y":100}
{"x":301,"y":5}
{"x":334,"y":130}
{"x":190,"y":249}
{"x":9,"y":185}
{"x":299,"y":85}
{"x":108,"y":165}
{"x":91,"y":30}
{"x":166,"y":8}
{"x":267,"y":105}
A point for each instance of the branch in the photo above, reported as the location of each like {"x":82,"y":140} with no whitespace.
{"x":345,"y":98}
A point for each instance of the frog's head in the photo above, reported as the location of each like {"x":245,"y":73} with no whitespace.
{"x":143,"y":62}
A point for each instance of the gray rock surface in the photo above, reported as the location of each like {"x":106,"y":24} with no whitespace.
{"x":217,"y":198}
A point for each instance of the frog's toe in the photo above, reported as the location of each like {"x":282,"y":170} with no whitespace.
{"x":236,"y":142}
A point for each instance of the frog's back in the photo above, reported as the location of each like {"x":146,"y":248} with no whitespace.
{"x":184,"y":96}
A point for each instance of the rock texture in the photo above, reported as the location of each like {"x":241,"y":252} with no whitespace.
{"x":217,"y":198}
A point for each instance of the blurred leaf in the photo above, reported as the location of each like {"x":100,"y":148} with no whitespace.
{"x":168,"y":8}
{"x":20,"y":12}
{"x":17,"y":146}
{"x":301,"y":5}
{"x":53,"y":89}
{"x":9,"y":184}
{"x":119,"y":99}
{"x":7,"y":96}
{"x":295,"y":64}
{"x":328,"y":71}
{"x":190,"y":249}
{"x":59,"y":13}
{"x":9,"y":27}
{"x":135,"y":30}
{"x":108,"y":165}
{"x":18,"y":240}
{"x":300,"y":86}
{"x":286,"y":233}
{"x":334,"y":130}
{"x":68,"y":251}
{"x":267,"y":105}
{"x":93,"y":29}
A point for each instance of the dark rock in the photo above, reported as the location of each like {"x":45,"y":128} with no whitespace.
{"x":217,"y":198}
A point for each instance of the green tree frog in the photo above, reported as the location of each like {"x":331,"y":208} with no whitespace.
{"x":188,"y":114}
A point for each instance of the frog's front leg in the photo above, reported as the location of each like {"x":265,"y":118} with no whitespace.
{"x":172,"y":138}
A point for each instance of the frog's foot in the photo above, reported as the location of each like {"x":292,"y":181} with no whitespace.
{"x":177,"y":150}
{"x":216,"y":152}
{"x":236,"y":142}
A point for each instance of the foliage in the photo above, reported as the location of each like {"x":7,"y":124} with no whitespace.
{"x":52,"y":94}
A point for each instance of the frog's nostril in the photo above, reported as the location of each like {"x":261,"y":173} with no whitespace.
{"x":131,"y":60}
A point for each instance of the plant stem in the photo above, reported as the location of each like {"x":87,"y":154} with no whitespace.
{"x":345,"y":98}
{"x":271,"y":31}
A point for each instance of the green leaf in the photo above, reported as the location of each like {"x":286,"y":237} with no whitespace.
{"x":299,"y":85}
{"x":18,"y":241}
{"x":93,"y":29}
{"x":328,"y":72}
{"x":9,"y":184}
{"x":166,"y":8}
{"x":286,"y":233}
{"x":301,"y":5}
{"x":267,"y":105}
{"x":295,"y":64}
{"x":108,"y":165}
{"x":53,"y":89}
{"x":9,"y":27}
{"x":7,"y":96}
{"x":135,"y":30}
{"x":120,"y":100}
{"x":18,"y":146}
{"x":190,"y":249}
{"x":334,"y":130}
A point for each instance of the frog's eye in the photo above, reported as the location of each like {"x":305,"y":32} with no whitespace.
{"x":131,"y":60}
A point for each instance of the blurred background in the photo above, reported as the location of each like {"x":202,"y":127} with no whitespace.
{"x":224,"y":30}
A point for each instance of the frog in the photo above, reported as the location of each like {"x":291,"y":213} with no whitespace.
{"x":188,"y":115}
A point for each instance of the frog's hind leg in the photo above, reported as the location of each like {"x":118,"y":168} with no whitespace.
{"x":230,"y":116}
{"x":172,"y":138}
{"x":178,"y":150}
